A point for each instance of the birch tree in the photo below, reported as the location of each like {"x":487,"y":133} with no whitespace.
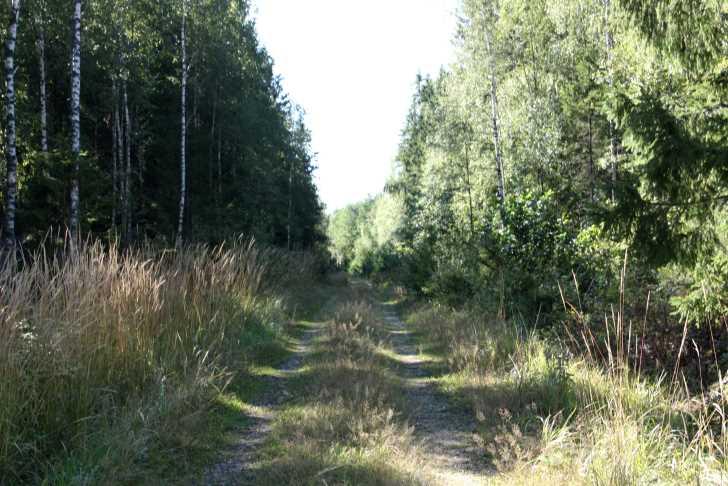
{"x":114,"y":151}
{"x":609,"y":48}
{"x":183,"y":129}
{"x":11,"y":152}
{"x":75,"y":118}
{"x":236,"y":97}
{"x":289,"y":216}
{"x":126,"y":184}
{"x":495,"y":122}
{"x":211,"y":144}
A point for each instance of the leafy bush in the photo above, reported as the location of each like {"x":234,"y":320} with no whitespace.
{"x":536,"y":246}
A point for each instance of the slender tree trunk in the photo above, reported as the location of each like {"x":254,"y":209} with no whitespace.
{"x":495,"y":123}
{"x":138,"y":149}
{"x":212,"y":139}
{"x":534,"y":69}
{"x":219,"y":164}
{"x":75,"y":121}
{"x":609,"y":47}
{"x":218,"y":193}
{"x":123,"y":180}
{"x":114,"y":152}
{"x":290,"y":204}
{"x":43,"y":95}
{"x":126,"y":230}
{"x":195,"y":102}
{"x":11,"y":153}
{"x":470,"y":195}
{"x":591,"y":157}
{"x":119,"y":147}
{"x":183,"y":135}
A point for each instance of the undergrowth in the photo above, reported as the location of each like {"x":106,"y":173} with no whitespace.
{"x":548,"y":416}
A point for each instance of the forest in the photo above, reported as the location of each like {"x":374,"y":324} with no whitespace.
{"x":571,"y":153}
{"x":538,"y":295}
{"x":110,"y":163}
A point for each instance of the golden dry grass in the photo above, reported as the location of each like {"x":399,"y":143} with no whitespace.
{"x":114,"y":355}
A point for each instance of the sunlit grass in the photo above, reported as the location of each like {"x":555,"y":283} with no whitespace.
{"x":346,"y":424}
{"x":549,"y":419}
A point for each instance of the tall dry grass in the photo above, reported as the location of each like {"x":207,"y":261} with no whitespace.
{"x":87,"y":339}
{"x":550,"y":414}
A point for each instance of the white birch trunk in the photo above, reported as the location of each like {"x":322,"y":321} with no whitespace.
{"x":212,"y":138}
{"x":218,"y":192}
{"x":290,"y":204}
{"x":114,"y":152}
{"x":120,"y":160}
{"x":591,"y":157}
{"x":75,"y":120}
{"x":470,"y":195}
{"x":609,"y":47}
{"x":11,"y":153}
{"x":141,"y":166}
{"x":183,"y":134}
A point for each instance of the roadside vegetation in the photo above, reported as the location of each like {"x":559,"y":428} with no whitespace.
{"x":116,"y":366}
{"x":555,"y":230}
{"x":549,"y":416}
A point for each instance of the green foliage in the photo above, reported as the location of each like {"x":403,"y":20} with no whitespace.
{"x":538,"y":247}
{"x":613,"y":129}
{"x":703,"y":296}
{"x":693,"y":30}
{"x":536,"y":233}
{"x":706,"y":299}
{"x":676,"y":175}
{"x":363,"y":238}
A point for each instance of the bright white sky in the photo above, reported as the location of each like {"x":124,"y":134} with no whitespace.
{"x":352,"y":64}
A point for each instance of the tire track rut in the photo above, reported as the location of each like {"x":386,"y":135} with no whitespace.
{"x":444,"y":431}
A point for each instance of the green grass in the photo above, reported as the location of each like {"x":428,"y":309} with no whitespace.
{"x":205,"y":431}
{"x":346,"y":424}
